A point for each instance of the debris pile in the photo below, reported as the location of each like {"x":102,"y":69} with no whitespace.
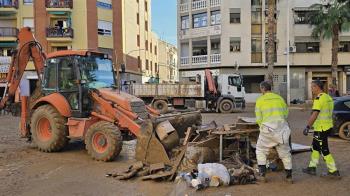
{"x":205,"y":155}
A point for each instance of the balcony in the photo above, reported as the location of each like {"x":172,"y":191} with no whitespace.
{"x":58,"y":34}
{"x":215,"y":3}
{"x":57,"y":6}
{"x":184,"y":7}
{"x":202,"y":59}
{"x":185,"y":60}
{"x":200,"y":32}
{"x":8,"y":34}
{"x":199,"y":4}
{"x":8,"y":7}
{"x":215,"y":58}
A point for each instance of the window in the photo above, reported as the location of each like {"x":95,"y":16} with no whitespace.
{"x":139,"y":62}
{"x":150,"y":47}
{"x":257,"y":17}
{"x":185,"y":22}
{"x":27,"y":2}
{"x":156,"y":67}
{"x":215,"y":17}
{"x":347,"y":104}
{"x":234,"y":81}
{"x":200,"y":20}
{"x":147,"y":65}
{"x":344,"y":46}
{"x":151,"y":66}
{"x":104,"y":28}
{"x":28,"y":22}
{"x":256,"y":56}
{"x":138,"y":40}
{"x":146,"y":25}
{"x":307,"y":47}
{"x":300,"y":17}
{"x":235,"y":15}
{"x":235,"y":44}
{"x":256,"y":2}
{"x":138,"y":18}
{"x":104,"y":4}
{"x":146,"y":44}
{"x":146,"y":6}
{"x":155,"y":50}
{"x":50,"y":74}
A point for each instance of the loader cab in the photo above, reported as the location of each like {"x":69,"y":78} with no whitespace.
{"x":73,"y":75}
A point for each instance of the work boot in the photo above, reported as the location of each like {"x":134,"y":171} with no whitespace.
{"x":310,"y":171}
{"x":262,"y":174}
{"x":332,"y":175}
{"x":289,"y":178}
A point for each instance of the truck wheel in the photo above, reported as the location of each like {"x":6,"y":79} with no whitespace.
{"x":344,"y":131}
{"x":226,"y":106}
{"x":161,"y":106}
{"x":103,"y":141}
{"x":49,"y":130}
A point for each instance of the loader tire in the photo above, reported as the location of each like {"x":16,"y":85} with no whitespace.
{"x":161,"y":106}
{"x":226,"y":106}
{"x":103,"y":141}
{"x":49,"y":130}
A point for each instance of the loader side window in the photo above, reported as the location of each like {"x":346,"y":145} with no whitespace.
{"x":50,"y":75}
{"x":67,"y":78}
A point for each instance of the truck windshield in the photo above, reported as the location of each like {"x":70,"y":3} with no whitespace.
{"x":96,"y":71}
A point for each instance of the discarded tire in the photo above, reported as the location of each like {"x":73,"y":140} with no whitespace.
{"x":103,"y":141}
{"x":161,"y":106}
{"x":48,"y":128}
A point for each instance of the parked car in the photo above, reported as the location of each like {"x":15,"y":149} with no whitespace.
{"x":341,"y":117}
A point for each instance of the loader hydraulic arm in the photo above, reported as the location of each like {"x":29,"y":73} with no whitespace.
{"x":27,"y":48}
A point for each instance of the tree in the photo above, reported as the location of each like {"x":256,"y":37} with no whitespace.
{"x":328,"y":21}
{"x":271,"y":39}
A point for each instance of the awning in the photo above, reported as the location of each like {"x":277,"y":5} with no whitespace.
{"x":306,"y":39}
{"x":304,"y":9}
{"x":58,"y":12}
{"x":8,"y":44}
{"x":344,"y":38}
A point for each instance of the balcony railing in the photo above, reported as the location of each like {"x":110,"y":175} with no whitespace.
{"x":214,"y":3}
{"x":53,"y":32}
{"x":8,"y":32}
{"x":185,"y":60}
{"x":184,"y":7}
{"x":9,"y":4}
{"x":201,"y":4}
{"x":215,"y":58}
{"x":59,"y":4}
{"x":5,"y":60}
{"x":199,"y":59}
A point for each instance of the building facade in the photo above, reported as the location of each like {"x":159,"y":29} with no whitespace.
{"x":231,"y":36}
{"x":61,"y":25}
{"x":140,"y":43}
{"x":168,"y":67}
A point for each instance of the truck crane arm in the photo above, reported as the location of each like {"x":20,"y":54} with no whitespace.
{"x":28,"y":48}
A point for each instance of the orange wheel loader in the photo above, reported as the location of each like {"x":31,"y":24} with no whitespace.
{"x":76,"y":97}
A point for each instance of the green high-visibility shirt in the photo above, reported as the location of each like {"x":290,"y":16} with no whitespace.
{"x":269,"y":108}
{"x":323,"y":104}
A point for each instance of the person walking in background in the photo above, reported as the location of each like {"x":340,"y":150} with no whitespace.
{"x":271,"y":115}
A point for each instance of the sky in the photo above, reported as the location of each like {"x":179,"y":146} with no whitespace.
{"x":164,"y":13}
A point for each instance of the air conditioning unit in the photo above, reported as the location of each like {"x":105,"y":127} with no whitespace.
{"x":292,"y":49}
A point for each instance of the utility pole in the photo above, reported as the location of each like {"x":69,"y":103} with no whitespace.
{"x":288,"y":63}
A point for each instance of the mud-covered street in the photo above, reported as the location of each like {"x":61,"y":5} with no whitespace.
{"x":26,"y":171}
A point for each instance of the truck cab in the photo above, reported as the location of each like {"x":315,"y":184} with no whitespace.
{"x":231,"y":85}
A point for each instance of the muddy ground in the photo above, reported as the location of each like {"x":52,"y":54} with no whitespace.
{"x":25,"y":171}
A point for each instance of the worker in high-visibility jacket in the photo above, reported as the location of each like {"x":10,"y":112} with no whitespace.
{"x":271,"y":115}
{"x":322,"y":122}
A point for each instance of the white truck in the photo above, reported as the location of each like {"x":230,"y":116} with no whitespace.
{"x":223,"y":93}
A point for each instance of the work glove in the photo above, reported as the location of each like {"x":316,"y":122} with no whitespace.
{"x":306,"y":130}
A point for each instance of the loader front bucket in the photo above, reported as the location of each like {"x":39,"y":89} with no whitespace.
{"x":148,"y":148}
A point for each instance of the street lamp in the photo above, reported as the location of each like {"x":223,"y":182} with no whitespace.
{"x":288,"y":63}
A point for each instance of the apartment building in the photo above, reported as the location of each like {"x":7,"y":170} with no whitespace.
{"x":231,"y":36}
{"x":167,"y":59}
{"x":140,"y":43}
{"x":61,"y":25}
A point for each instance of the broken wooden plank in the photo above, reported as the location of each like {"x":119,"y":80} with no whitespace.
{"x":189,"y":133}
{"x":156,"y":167}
